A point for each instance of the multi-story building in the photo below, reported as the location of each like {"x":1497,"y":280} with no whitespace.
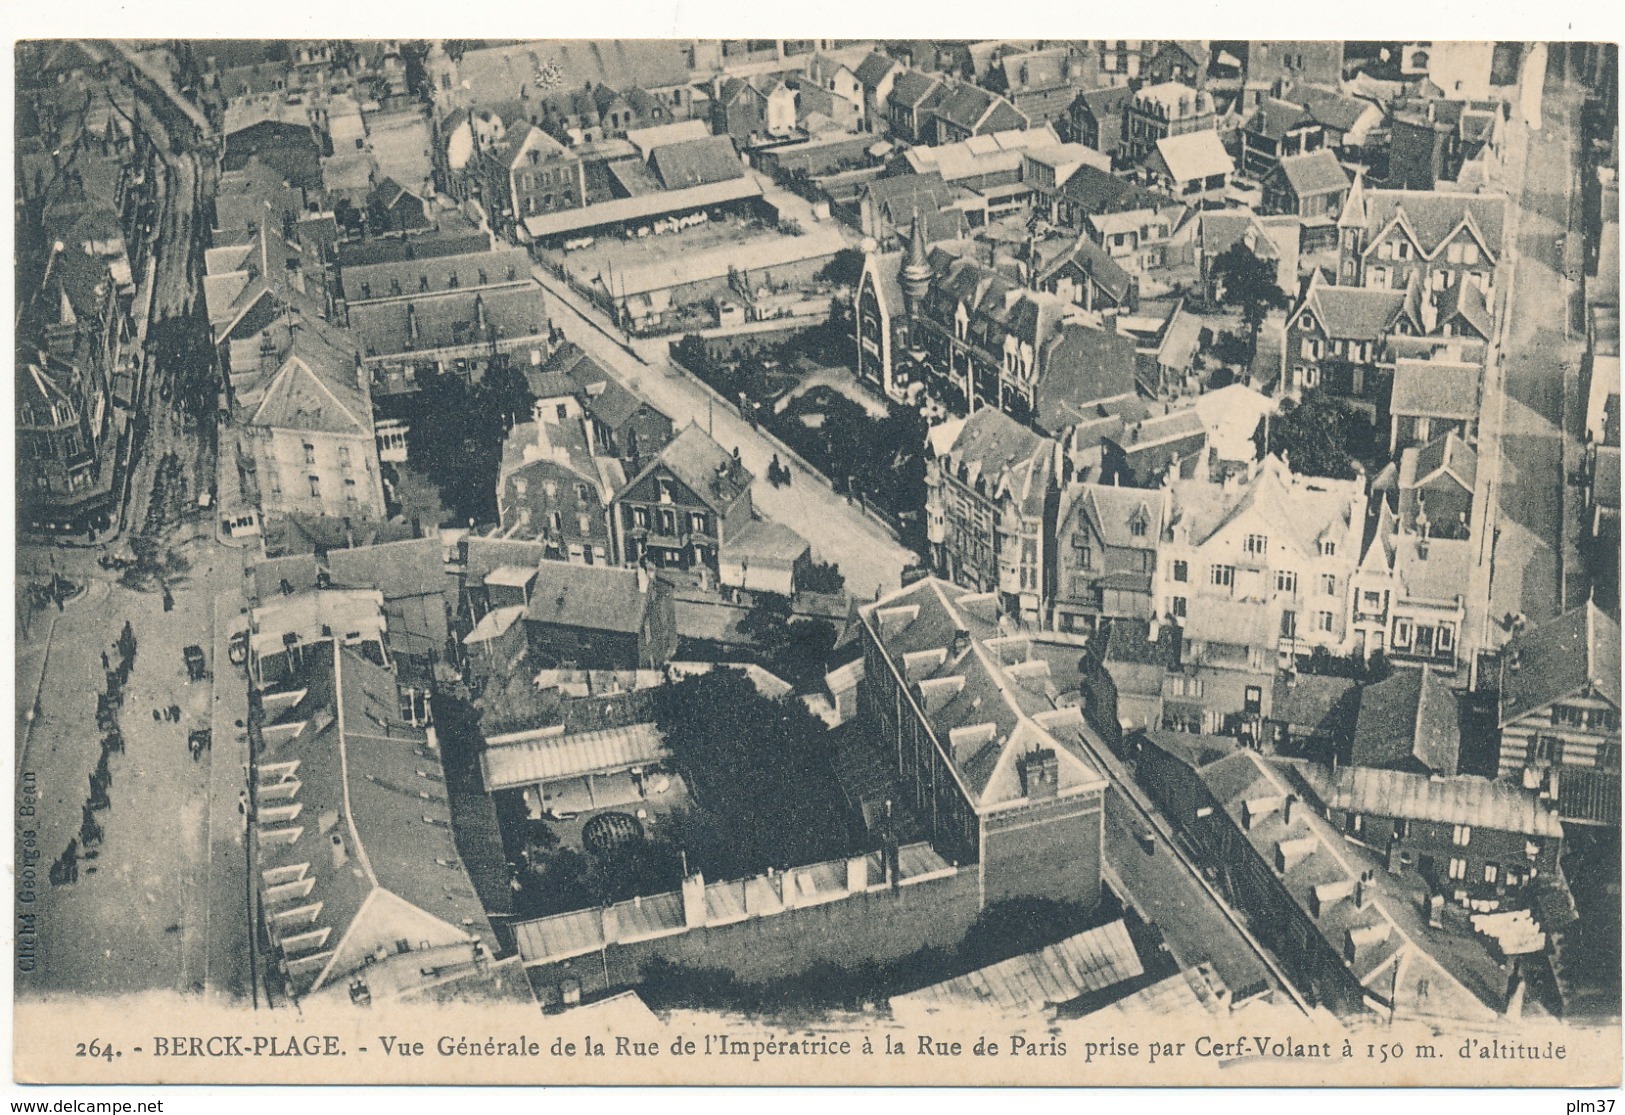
{"x":1336,"y":341}
{"x":990,"y":510}
{"x":1559,"y":713}
{"x":913,"y":95}
{"x":595,"y":618}
{"x":997,"y":773}
{"x":1096,"y":118}
{"x":553,"y":488}
{"x":1312,"y":187}
{"x":310,"y":436}
{"x":1431,"y":398}
{"x":430,"y":313}
{"x":617,"y":423}
{"x":965,"y":111}
{"x":1159,"y":111}
{"x":1042,"y":84}
{"x":1410,"y":594}
{"x":1318,"y":62}
{"x":1106,"y":553}
{"x":1467,"y":838}
{"x":527,"y":173}
{"x":684,"y":505}
{"x":1390,"y":238}
{"x":1262,"y":563}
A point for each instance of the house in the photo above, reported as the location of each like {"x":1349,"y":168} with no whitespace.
{"x":1335,"y":341}
{"x":887,"y":208}
{"x":1148,"y":450}
{"x":683,"y":505}
{"x":1408,"y":594}
{"x":361,"y":902}
{"x":1312,"y":186}
{"x":965,"y":111}
{"x":1408,"y":722}
{"x":1178,"y":60}
{"x":990,"y":509}
{"x":617,"y":423}
{"x":1047,"y":169}
{"x":551,"y":487}
{"x":748,"y":108}
{"x":1041,"y":84}
{"x":841,"y":81}
{"x":1313,"y":713}
{"x":1311,"y":61}
{"x":1090,"y":191}
{"x":1349,"y":123}
{"x":1232,"y":415}
{"x":1468,"y":838}
{"x":598,"y":617}
{"x":1431,"y":398}
{"x":391,"y":207}
{"x":528,"y":173}
{"x":1193,"y":167}
{"x":1435,"y":485}
{"x":998,"y":775}
{"x":913,"y":96}
{"x":1276,"y":130}
{"x":1350,"y":937}
{"x":1263,"y":562}
{"x":1106,"y":554}
{"x":1096,"y":117}
{"x":1131,"y":666}
{"x":1146,"y":235}
{"x":877,"y":74}
{"x":1390,"y":237}
{"x":1083,"y":274}
{"x":310,"y":437}
{"x":1040,"y":359}
{"x":695,"y":162}
{"x":1559,"y":713}
{"x":1159,"y":111}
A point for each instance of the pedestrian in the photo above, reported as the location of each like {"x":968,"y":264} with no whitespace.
{"x":156,"y":715}
{"x":106,"y":664}
{"x":175,"y":713}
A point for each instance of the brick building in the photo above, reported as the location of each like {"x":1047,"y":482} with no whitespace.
{"x":684,"y":505}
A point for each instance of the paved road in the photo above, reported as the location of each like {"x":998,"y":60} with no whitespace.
{"x":1529,"y":560}
{"x":839,"y":532}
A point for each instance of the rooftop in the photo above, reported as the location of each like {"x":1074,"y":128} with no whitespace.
{"x":1409,"y":721}
{"x":1579,"y":649}
{"x":1461,"y":800}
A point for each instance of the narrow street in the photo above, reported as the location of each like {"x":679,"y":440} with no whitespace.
{"x":1541,"y":353}
{"x":839,"y":532}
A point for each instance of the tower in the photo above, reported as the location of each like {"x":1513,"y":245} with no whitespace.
{"x":916,"y":274}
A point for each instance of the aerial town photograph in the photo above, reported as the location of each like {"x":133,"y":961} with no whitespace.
{"x":1075,"y":531}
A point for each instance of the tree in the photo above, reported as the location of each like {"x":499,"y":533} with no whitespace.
{"x":822,"y":577}
{"x":1248,"y":282}
{"x":1314,"y":435}
{"x":845,"y":268}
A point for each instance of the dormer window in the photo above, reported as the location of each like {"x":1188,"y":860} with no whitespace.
{"x":1328,"y":548}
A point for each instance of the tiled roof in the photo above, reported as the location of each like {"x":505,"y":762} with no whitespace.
{"x":594,"y":597}
{"x":1314,"y":702}
{"x":1275,"y":118}
{"x":708,"y":470}
{"x":764,"y":541}
{"x":316,"y":390}
{"x":1447,"y":454}
{"x":1410,"y":718}
{"x":1435,"y":389}
{"x":1100,"y":267}
{"x":911,"y":87}
{"x":1113,"y":510}
{"x":1194,"y":155}
{"x":1083,"y":367}
{"x":1318,"y":172}
{"x":982,"y":713}
{"x":1329,"y":107}
{"x":696,"y":162}
{"x":1009,"y":457}
{"x":1356,"y":313}
{"x":1096,"y":191}
{"x":1461,"y":800}
{"x":397,"y":569}
{"x":873,"y":70}
{"x":1430,"y":215}
{"x":1465,"y":302}
{"x":1546,"y":663}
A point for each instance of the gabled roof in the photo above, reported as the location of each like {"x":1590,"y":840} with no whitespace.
{"x":984,"y":700}
{"x":911,"y":87}
{"x":1316,"y":173}
{"x":1094,"y":261}
{"x":594,"y":597}
{"x":1353,"y":313}
{"x":707,"y":469}
{"x":1195,"y":155}
{"x":1464,"y":303}
{"x":370,"y":829}
{"x":1430,"y":217}
{"x":1559,"y":658}
{"x":1313,"y":702}
{"x":1275,"y":118}
{"x":974,"y":109}
{"x":1113,"y":510}
{"x":316,"y":390}
{"x":696,"y":162}
{"x":1447,"y":456}
{"x":1090,"y":962}
{"x":1103,"y":103}
{"x":1096,"y":191}
{"x":1435,"y":388}
{"x":1330,"y":107}
{"x":1463,"y":800}
{"x":1408,"y":720}
{"x":1300,"y":509}
{"x":873,"y":70}
{"x":1013,"y":460}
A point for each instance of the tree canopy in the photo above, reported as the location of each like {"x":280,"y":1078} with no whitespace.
{"x":1315,"y":435}
{"x":1250,"y":284}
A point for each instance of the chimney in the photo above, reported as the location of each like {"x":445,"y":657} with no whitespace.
{"x":694,"y":911}
{"x":1286,"y":810}
{"x":340,"y":855}
{"x":611,"y":924}
{"x":857,"y":874}
{"x":1362,"y":893}
{"x":1153,"y":630}
{"x":1040,"y":774}
{"x":961,"y":642}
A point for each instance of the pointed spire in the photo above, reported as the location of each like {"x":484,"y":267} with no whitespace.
{"x":916,"y":267}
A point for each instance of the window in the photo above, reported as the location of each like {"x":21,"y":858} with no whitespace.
{"x":1323,"y":621}
{"x":1223,"y":576}
{"x":1312,"y":348}
{"x":584,"y":524}
{"x":1328,"y":584}
{"x":696,"y":522}
{"x":1286,"y":581}
{"x":640,"y":516}
{"x":1137,"y":528}
{"x":1085,"y":558}
{"x":315,"y":487}
{"x":1289,"y":625}
{"x":1458,"y":869}
{"x":344,"y":455}
{"x":1461,"y":836}
{"x":350,"y":491}
{"x":1179,"y":607}
{"x":310,"y":453}
{"x":1183,"y":686}
{"x":1258,"y":543}
{"x":581,"y":493}
{"x":555,"y":523}
{"x":1444,"y":637}
{"x":1371,"y":601}
{"x":1491,"y":872}
{"x":1181,"y":571}
{"x":1402,"y":633}
{"x":1328,"y":548}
